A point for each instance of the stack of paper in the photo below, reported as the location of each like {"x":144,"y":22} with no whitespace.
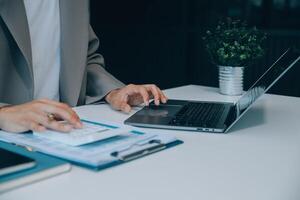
{"x":97,"y":154}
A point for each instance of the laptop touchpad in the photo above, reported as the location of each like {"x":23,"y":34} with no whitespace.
{"x":160,"y":111}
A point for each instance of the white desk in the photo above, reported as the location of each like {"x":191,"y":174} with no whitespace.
{"x":258,"y":159}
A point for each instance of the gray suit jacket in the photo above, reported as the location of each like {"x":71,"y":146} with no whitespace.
{"x":83,"y":78}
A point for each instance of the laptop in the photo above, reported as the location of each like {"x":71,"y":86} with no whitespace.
{"x":216,"y":117}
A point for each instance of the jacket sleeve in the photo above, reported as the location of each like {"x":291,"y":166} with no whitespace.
{"x":99,"y":81}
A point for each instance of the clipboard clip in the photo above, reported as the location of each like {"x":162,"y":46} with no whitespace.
{"x":141,"y":150}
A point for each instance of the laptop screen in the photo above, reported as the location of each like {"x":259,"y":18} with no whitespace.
{"x":267,"y":80}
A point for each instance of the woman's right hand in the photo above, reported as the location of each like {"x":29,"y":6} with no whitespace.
{"x":35,"y":116}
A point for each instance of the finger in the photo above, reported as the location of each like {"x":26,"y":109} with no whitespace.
{"x":33,"y":126}
{"x":144,"y":93}
{"x":155,"y":93}
{"x":62,"y":113}
{"x":61,"y":105}
{"x":164,"y":98}
{"x":125,"y":107}
{"x":59,"y":126}
{"x":42,"y":119}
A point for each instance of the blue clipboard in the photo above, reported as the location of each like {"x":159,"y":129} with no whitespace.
{"x":138,"y":144}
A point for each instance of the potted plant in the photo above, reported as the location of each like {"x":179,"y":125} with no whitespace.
{"x":233,"y":46}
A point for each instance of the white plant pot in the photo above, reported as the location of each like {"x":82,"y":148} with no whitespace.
{"x":231,"y":80}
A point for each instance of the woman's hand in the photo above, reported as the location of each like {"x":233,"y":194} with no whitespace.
{"x":132,"y":95}
{"x":37,"y":116}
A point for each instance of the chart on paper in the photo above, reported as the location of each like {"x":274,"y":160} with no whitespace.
{"x":88,"y":134}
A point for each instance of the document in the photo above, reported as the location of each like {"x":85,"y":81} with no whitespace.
{"x":93,"y":154}
{"x":90,"y":133}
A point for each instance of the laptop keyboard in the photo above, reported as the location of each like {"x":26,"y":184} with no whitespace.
{"x":198,"y":114}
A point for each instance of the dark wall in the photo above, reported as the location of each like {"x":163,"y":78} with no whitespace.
{"x":159,"y":41}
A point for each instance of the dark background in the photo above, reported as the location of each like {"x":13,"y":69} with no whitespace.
{"x":159,"y":41}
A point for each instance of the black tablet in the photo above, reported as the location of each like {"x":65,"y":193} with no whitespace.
{"x":11,"y":162}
